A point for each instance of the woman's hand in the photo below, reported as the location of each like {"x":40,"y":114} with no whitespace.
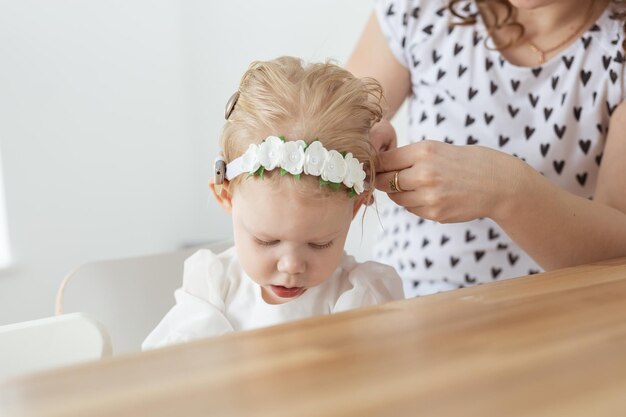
{"x":383,"y":136}
{"x":449,"y":183}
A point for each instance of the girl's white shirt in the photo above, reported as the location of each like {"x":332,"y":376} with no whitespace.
{"x":217,"y":297}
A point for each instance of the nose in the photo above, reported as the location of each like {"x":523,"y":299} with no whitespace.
{"x":291,"y":263}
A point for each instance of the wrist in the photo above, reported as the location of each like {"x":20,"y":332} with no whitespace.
{"x":518,"y":191}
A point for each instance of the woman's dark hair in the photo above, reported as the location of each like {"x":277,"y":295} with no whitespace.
{"x":459,"y":8}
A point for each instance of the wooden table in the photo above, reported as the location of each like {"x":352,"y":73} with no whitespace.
{"x":552,"y":344}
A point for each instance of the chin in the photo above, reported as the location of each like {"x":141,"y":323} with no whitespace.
{"x":531,"y":4}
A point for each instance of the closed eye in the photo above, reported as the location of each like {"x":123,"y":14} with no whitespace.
{"x":265,"y":243}
{"x":321,"y":245}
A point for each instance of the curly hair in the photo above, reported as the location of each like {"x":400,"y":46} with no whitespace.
{"x":454,"y":6}
{"x":319,"y":101}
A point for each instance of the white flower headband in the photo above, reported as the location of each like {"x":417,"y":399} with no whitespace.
{"x":295,"y":158}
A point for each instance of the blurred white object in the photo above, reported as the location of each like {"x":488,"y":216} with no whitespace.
{"x":51,"y":342}
{"x":129,"y":296}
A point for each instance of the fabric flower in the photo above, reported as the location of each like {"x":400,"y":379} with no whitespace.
{"x":359,"y":186}
{"x":250,"y":159}
{"x":355,"y":174}
{"x":270,"y":152}
{"x":292,"y":157}
{"x":334,"y":169}
{"x":314,"y":158}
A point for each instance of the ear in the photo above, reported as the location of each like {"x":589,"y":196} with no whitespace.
{"x":223,"y":197}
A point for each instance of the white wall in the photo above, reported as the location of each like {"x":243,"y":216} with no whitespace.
{"x":109,"y":118}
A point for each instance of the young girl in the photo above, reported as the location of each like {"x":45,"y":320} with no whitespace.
{"x":520,"y":103}
{"x":296,"y":157}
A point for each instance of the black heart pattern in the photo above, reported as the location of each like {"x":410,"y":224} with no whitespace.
{"x":546,"y":115}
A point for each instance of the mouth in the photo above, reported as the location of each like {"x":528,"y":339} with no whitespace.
{"x":286,"y":292}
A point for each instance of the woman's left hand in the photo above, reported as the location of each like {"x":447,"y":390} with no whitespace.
{"x":450,"y":183}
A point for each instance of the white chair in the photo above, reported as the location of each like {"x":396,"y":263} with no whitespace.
{"x":129,"y":296}
{"x":51,"y":342}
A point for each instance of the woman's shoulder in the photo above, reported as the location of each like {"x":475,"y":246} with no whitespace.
{"x":411,"y":8}
{"x":603,"y":49}
{"x":400,"y":18}
{"x":408,"y":25}
{"x":608,"y":33}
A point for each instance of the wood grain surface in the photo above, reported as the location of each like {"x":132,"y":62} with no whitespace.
{"x":551,"y":344}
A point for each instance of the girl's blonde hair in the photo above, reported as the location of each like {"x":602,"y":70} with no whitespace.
{"x":320,"y":101}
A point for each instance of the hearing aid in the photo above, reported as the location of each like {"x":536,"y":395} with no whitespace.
{"x":219,"y":173}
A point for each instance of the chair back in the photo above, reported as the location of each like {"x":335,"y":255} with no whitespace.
{"x":130,"y":295}
{"x":51,"y":342}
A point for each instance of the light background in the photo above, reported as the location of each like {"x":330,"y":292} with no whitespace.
{"x":109,"y":117}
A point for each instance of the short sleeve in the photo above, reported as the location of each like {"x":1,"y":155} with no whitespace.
{"x":199,"y":309}
{"x":613,"y":42}
{"x":392,"y":17}
{"x":372,"y":283}
{"x":621,"y":56}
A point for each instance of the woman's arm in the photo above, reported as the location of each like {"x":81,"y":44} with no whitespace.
{"x":449,"y":183}
{"x":559,"y":229}
{"x":373,"y":58}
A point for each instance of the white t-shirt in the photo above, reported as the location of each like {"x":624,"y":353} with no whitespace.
{"x":554,"y":116}
{"x":218,"y":297}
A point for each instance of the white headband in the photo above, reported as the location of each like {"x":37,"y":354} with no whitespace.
{"x":297,"y":157}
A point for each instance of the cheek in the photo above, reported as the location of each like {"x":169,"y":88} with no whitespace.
{"x":326,"y":263}
{"x":254,"y":260}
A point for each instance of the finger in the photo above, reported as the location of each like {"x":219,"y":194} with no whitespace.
{"x":383,"y":136}
{"x":409,"y":155}
{"x":392,"y":144}
{"x":408,"y":199}
{"x":385,"y":182}
{"x":398,"y":158}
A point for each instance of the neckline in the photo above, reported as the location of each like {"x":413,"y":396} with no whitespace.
{"x":557,"y":58}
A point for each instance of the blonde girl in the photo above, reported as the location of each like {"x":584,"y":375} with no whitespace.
{"x":296,"y":167}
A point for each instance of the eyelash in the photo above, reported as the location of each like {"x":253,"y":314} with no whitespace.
{"x":324,"y":246}
{"x":312,"y":245}
{"x":264,"y":243}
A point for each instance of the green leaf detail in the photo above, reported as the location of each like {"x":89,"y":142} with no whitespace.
{"x":283,"y":172}
{"x":352,"y":192}
{"x":258,"y":172}
{"x":297,"y":177}
{"x":334,"y":185}
{"x":282,"y":138}
{"x":323,"y":182}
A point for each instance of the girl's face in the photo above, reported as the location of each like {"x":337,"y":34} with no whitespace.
{"x":287,"y":241}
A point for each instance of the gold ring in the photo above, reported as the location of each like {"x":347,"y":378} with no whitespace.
{"x":394,"y":184}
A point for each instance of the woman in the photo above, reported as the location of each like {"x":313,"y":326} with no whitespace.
{"x":516,"y":122}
